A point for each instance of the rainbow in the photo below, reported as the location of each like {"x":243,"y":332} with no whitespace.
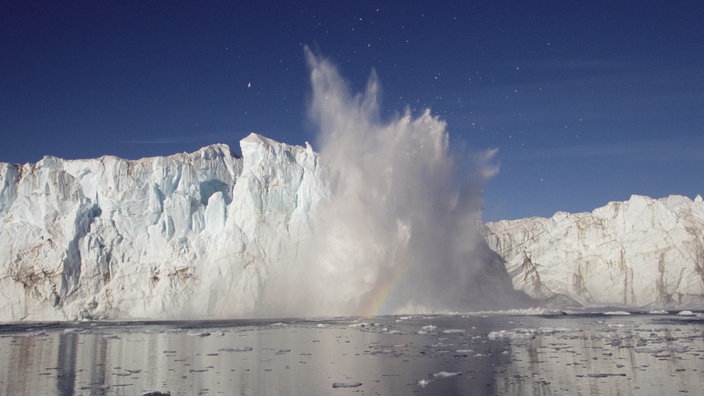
{"x":378,"y":300}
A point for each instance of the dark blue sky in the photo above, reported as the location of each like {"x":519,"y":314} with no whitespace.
{"x":587,"y":101}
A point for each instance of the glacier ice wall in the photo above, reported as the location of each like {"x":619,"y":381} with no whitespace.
{"x":189,"y":235}
{"x":641,"y":252}
{"x":382,"y":220}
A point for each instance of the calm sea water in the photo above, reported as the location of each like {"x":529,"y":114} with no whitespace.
{"x":584,"y":353}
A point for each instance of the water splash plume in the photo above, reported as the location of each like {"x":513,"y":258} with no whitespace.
{"x":399,"y":231}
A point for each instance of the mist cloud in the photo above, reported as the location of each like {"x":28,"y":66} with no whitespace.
{"x":399,"y":231}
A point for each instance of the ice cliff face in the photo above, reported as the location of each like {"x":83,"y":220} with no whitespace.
{"x":189,"y":235}
{"x":641,"y":252}
{"x":209,"y":234}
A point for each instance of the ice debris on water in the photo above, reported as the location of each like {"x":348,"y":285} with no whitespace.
{"x":446,"y":374}
{"x":198,"y":333}
{"x":236,"y":349}
{"x":427,"y":329}
{"x":437,"y":376}
{"x":523,"y":333}
{"x":346,"y":384}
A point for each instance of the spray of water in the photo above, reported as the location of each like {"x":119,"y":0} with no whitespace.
{"x":400,"y":229}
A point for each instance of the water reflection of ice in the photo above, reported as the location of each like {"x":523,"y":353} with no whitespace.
{"x":444,"y":354}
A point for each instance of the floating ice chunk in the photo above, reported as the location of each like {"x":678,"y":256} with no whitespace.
{"x":621,"y":325}
{"x":617,"y":313}
{"x":427,"y":329}
{"x":658,"y":312}
{"x":524,"y":333}
{"x":437,"y":376}
{"x":516,"y":334}
{"x":236,"y":349}
{"x":453,"y":331}
{"x":346,"y":384}
{"x":686,"y":313}
{"x":446,"y":374}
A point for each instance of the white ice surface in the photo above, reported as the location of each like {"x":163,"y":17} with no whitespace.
{"x":189,"y":235}
{"x":201,"y":234}
{"x":641,"y":252}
